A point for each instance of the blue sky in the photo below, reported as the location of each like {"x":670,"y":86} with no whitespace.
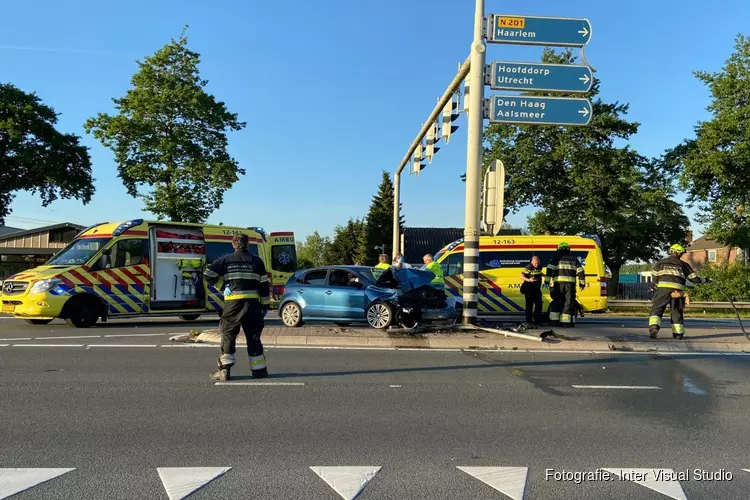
{"x":335,"y":90}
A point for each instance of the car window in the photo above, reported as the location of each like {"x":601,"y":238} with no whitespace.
{"x":130,"y":252}
{"x":339,"y":277}
{"x":453,"y":265}
{"x":315,"y":277}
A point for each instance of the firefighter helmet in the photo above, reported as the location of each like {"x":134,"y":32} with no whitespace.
{"x":563,"y":246}
{"x":677,"y":249}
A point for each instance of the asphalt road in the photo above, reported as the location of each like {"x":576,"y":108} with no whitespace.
{"x":116,"y":414}
{"x":11,"y":328}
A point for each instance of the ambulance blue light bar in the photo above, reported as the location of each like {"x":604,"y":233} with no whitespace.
{"x":126,"y":225}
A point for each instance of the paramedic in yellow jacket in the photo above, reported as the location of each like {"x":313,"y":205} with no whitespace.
{"x":383,"y":264}
{"x":436,"y":269}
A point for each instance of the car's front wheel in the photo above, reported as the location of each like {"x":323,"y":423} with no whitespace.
{"x":291,"y":315}
{"x":379,"y":315}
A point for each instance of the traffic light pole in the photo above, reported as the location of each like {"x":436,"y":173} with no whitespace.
{"x":442,"y":102}
{"x":474,"y":152}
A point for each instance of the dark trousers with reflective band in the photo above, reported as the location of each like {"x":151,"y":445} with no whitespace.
{"x":534,"y":306}
{"x":662,"y":299}
{"x":567,"y":293}
{"x":245,"y":314}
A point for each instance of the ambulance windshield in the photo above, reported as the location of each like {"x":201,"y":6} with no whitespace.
{"x":78,"y":252}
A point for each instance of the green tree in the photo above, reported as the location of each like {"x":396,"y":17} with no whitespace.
{"x":380,"y":221}
{"x":583,"y":183}
{"x":170,"y":135}
{"x":35,"y":157}
{"x":714,"y":167}
{"x":315,"y":251}
{"x":346,"y":248}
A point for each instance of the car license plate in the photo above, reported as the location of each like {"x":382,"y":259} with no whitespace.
{"x":8,"y":308}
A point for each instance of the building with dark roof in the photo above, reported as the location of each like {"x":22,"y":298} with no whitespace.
{"x":22,"y":249}
{"x":705,"y":250}
{"x":8,"y":230}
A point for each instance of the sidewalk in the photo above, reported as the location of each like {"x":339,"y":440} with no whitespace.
{"x":585,"y":337}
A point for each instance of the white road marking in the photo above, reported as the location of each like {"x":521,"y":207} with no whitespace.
{"x":633,"y":387}
{"x":47,"y":345}
{"x":138,"y":334}
{"x":510,"y":481}
{"x":660,"y":480}
{"x":260,"y":383}
{"x":746,"y":470}
{"x":346,"y":481}
{"x":395,"y":386}
{"x":63,"y":338}
{"x":181,"y":482}
{"x":121,"y":345}
{"x":14,"y":481}
{"x":20,"y":338}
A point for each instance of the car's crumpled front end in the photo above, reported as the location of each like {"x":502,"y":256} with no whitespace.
{"x":418,"y":300}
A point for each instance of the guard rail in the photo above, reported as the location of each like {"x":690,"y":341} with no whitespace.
{"x":621,"y":304}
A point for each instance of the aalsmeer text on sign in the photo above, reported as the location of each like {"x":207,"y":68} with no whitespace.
{"x":529,"y":110}
{"x":540,"y":77}
{"x":537,"y":30}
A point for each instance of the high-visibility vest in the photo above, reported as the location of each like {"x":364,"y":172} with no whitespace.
{"x":383,"y":265}
{"x":437,"y":270}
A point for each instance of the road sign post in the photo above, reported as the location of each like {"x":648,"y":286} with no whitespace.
{"x":540,"y":77}
{"x":529,"y":110}
{"x":538,"y":30}
{"x":474,"y":152}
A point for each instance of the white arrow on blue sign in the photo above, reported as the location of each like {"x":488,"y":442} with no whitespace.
{"x":540,"y":77}
{"x":538,"y":30}
{"x":528,"y":110}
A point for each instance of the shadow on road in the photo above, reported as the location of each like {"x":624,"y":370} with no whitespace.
{"x":633,"y":360}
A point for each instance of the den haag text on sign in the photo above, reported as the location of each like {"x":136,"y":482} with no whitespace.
{"x":529,"y":109}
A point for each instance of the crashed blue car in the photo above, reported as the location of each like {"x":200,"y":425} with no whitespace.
{"x":354,"y":294}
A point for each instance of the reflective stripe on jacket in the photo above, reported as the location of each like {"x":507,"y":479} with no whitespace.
{"x":244,"y":275}
{"x":673,"y":273}
{"x":565,"y":269}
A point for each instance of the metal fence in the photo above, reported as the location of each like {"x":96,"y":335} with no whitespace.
{"x":634,"y":291}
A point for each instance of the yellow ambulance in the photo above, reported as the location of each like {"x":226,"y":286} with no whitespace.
{"x":501,"y":260}
{"x":132,"y":268}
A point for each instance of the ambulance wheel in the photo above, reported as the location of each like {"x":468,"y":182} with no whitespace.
{"x":379,"y":315}
{"x":291,"y":315}
{"x":83,"y":311}
{"x":190,"y":317}
{"x":38,"y":321}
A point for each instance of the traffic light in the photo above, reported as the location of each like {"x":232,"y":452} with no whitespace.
{"x":432,"y":138}
{"x":450,"y":114}
{"x":463,"y":177}
{"x":418,"y":159}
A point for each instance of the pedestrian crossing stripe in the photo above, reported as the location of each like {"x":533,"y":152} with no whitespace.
{"x":510,"y":481}
{"x":14,"y":481}
{"x":348,"y":482}
{"x":663,"y":483}
{"x":181,"y":482}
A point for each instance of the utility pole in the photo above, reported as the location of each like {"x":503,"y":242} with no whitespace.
{"x":475,"y":121}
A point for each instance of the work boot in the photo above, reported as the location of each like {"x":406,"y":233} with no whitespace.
{"x":221,"y":374}
{"x":262,"y":373}
{"x":678,"y":336}
{"x":653,"y":332}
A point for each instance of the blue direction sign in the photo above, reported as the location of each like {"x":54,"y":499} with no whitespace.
{"x":527,"y":110}
{"x":536,"y":30}
{"x":540,"y":77}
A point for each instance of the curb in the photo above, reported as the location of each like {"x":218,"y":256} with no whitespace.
{"x":488,"y":343}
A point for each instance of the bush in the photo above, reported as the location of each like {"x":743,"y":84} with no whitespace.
{"x":734,"y":279}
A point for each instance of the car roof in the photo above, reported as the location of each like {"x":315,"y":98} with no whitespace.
{"x":326,"y":268}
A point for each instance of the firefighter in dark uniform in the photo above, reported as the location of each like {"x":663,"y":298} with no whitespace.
{"x":670,"y":277}
{"x":564,"y":270}
{"x":246,"y":302}
{"x":532,"y":290}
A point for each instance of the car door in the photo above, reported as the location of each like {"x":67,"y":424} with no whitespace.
{"x":121,"y":277}
{"x":312,"y":293}
{"x":345,"y":295}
